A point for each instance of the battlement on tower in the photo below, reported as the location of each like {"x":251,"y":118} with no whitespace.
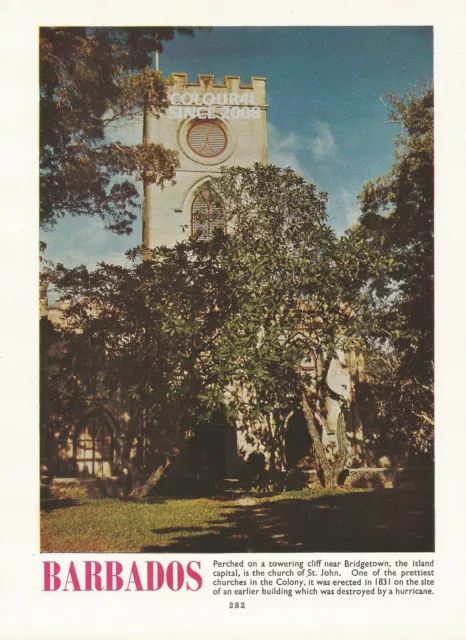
{"x":231,"y":84}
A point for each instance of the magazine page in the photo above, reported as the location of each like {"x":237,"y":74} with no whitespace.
{"x":222,"y":425}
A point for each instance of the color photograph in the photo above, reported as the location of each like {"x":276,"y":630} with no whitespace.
{"x":236,"y":289}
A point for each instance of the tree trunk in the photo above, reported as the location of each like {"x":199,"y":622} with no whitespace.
{"x":273,"y":444}
{"x":131,"y":433}
{"x":284,"y":461}
{"x":330,"y":471}
{"x":143,"y":492}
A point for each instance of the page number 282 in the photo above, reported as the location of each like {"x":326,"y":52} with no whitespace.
{"x":236,"y":605}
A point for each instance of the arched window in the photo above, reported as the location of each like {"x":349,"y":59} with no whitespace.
{"x":205,"y":217}
{"x":94,"y":448}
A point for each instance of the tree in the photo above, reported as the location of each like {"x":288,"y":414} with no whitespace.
{"x":227,"y":322}
{"x":91,"y":79}
{"x":398,"y":211}
{"x":295,"y":295}
{"x":137,"y":332}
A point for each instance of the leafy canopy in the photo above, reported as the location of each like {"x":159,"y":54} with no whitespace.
{"x":91,"y":79}
{"x":228,"y":322}
{"x":398,"y":211}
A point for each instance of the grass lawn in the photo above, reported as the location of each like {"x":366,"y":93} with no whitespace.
{"x":358,"y":520}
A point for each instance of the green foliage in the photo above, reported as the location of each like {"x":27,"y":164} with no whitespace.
{"x":91,"y":79}
{"x":228,"y":322}
{"x":398,"y":212}
{"x":295,"y":287}
{"x":140,"y":329}
{"x":404,"y":405}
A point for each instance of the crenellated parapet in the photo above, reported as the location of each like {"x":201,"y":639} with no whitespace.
{"x":231,"y":85}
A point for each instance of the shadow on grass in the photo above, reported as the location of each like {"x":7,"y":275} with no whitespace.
{"x":50,"y":504}
{"x":398,"y":520}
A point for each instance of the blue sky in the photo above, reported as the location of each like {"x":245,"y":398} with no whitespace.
{"x":325,"y":117}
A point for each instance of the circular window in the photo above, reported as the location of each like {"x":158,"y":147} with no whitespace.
{"x":207,"y":138}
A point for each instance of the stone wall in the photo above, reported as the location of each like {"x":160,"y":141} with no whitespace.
{"x":378,"y":478}
{"x":83,"y":488}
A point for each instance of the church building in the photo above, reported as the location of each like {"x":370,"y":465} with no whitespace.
{"x":211,"y":126}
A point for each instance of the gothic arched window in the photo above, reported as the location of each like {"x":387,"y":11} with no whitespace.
{"x":94,"y":448}
{"x":205,"y":216}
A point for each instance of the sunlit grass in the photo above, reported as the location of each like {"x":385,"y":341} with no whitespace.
{"x":114,"y":525}
{"x":117,"y":525}
{"x":300,"y":520}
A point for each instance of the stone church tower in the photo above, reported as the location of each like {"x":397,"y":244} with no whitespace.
{"x":210,"y":125}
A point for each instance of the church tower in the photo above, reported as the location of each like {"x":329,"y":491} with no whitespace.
{"x":210,"y":125}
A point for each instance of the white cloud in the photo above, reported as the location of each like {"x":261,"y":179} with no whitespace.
{"x":128,"y":132}
{"x":84,"y":240}
{"x":350,"y":207}
{"x":92,"y":232}
{"x":343,"y":210}
{"x":323,"y":145}
{"x":282,"y":150}
{"x":75,"y":257}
